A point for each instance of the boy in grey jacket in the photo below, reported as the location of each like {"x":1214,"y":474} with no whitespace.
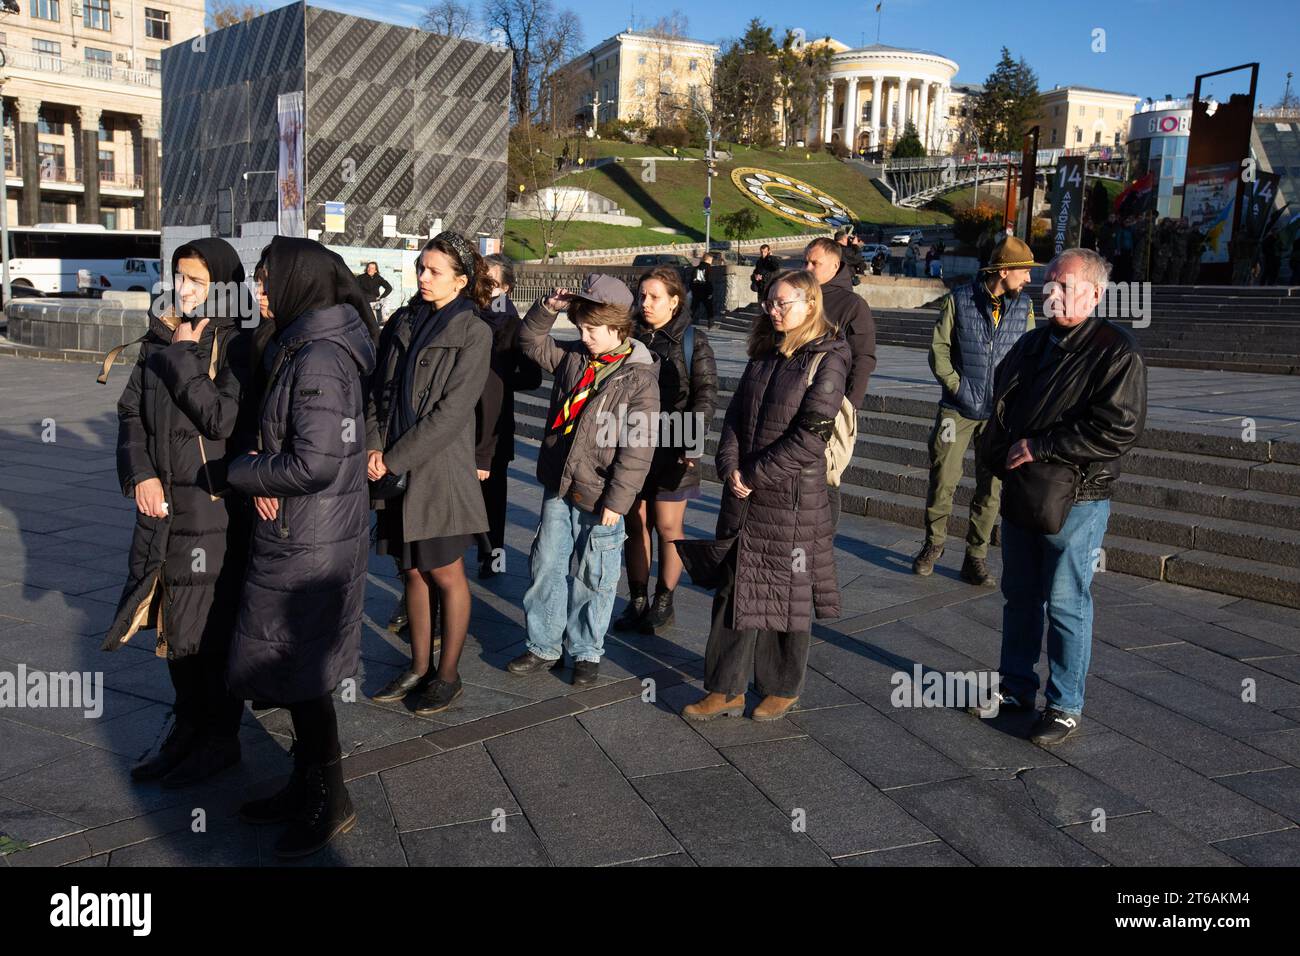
{"x":596,"y":452}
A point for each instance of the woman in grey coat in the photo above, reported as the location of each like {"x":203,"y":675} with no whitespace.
{"x":433,"y":365}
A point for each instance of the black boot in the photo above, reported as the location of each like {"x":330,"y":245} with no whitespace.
{"x":633,"y":616}
{"x":283,"y":805}
{"x":212,"y":755}
{"x":326,"y":812}
{"x":180,"y":743}
{"x":660,"y":613}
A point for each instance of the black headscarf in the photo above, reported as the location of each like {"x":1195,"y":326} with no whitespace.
{"x":228,"y":300}
{"x":303,"y":276}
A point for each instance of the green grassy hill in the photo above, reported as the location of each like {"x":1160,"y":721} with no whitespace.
{"x":675,"y":198}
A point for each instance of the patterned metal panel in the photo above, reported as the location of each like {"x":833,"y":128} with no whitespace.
{"x":399,"y":122}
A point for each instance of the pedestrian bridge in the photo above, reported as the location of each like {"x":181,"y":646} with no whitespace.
{"x":915,"y":181}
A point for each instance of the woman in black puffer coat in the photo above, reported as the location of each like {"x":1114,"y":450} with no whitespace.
{"x":299,"y":627}
{"x":688,"y":395}
{"x":177,"y":425}
{"x":780,"y":571}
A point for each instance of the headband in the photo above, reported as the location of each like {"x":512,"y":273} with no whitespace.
{"x":462,"y":249}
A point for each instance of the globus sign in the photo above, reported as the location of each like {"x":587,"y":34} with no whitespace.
{"x":791,"y":198}
{"x":1163,"y":123}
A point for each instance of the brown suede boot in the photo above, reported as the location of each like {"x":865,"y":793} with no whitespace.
{"x":715,"y":705}
{"x":773,"y":708}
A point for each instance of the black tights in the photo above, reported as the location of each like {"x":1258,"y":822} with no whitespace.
{"x":426,"y":592}
{"x":316,"y":728}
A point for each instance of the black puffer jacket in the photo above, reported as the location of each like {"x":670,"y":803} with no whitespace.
{"x":1086,"y":404}
{"x":852,"y":318}
{"x":299,"y":628}
{"x":692,"y":392}
{"x":785,"y":566}
{"x":178,"y":425}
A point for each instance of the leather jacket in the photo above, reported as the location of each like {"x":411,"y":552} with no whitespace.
{"x":1080,"y":400}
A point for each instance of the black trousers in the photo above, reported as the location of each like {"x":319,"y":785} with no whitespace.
{"x":316,"y":728}
{"x":833,"y":493}
{"x":494,"y":500}
{"x":777,"y":661}
{"x":202,"y":699}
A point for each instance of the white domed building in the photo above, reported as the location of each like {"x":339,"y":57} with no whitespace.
{"x":875,"y":90}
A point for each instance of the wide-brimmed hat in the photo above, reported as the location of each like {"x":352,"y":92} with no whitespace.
{"x":1010,"y":253}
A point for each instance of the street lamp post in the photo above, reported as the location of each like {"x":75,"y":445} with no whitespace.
{"x":976,"y":200}
{"x":708,"y":172}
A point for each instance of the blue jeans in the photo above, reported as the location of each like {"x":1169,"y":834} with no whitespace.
{"x":1051,"y":572}
{"x":551,"y":609}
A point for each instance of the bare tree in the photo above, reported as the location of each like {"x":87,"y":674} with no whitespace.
{"x":540,"y":40}
{"x":450,"y":19}
{"x":227,"y":14}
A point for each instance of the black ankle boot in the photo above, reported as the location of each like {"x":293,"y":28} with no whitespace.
{"x":660,"y":613}
{"x":181,"y":741}
{"x":633,"y":616}
{"x":283,"y":805}
{"x":326,"y":812}
{"x":212,"y":755}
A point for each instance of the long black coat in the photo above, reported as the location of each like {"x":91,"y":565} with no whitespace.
{"x":785,"y":566}
{"x":180,"y":426}
{"x":299,"y":627}
{"x":508,"y":372}
{"x":685,"y":391}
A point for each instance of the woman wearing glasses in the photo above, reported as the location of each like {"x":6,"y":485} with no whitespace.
{"x":771,"y":462}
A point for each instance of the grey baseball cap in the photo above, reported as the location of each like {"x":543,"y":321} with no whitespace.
{"x":605,"y":290}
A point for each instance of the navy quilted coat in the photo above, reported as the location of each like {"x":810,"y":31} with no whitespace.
{"x":299,"y":628}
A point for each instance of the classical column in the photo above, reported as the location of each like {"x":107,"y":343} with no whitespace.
{"x":151,"y":205}
{"x":828,"y":113}
{"x":904,"y":103}
{"x":926,"y":104}
{"x":88,"y":136}
{"x":29,"y":209}
{"x":851,"y":114}
{"x":877,"y":112}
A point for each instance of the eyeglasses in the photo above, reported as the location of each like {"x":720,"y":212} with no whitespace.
{"x":780,"y":305}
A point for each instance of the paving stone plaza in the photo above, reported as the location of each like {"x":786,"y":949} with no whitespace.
{"x":1184,"y":767}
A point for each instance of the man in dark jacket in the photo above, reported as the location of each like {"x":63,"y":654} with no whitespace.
{"x":767,"y":266}
{"x":1070,"y":399}
{"x":595,"y":456}
{"x":849,"y":313}
{"x":850,"y":254}
{"x":702,"y":289}
{"x":978,"y":324}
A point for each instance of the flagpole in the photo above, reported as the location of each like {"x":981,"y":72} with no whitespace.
{"x":879,"y":14}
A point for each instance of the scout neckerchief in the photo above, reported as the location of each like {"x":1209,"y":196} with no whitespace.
{"x":597,"y":370}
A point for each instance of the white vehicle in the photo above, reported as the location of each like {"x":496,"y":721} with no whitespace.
{"x":869,"y":251}
{"x":82,"y":259}
{"x":905,"y":238}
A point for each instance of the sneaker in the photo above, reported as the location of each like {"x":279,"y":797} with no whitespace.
{"x":585,"y":672}
{"x":1053,"y":727}
{"x":999,"y":703}
{"x":975,"y":571}
{"x":438,"y":696}
{"x":633,"y":616}
{"x":530,"y":663}
{"x":923,"y":564}
{"x":660,"y":613}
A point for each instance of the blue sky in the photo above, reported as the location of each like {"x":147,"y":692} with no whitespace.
{"x":1153,"y":47}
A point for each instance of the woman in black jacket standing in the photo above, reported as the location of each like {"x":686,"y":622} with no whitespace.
{"x":177,"y":425}
{"x":771,"y":460}
{"x":299,"y":628}
{"x":375,"y":287}
{"x":509,"y":372}
{"x":433,"y":363}
{"x":688,"y":388}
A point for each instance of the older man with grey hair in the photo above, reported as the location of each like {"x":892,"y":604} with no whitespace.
{"x":1069,"y":400}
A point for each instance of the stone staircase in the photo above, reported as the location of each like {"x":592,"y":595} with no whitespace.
{"x":1252,"y":329}
{"x":1198,"y":508}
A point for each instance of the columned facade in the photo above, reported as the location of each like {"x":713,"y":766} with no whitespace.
{"x":875,"y":91}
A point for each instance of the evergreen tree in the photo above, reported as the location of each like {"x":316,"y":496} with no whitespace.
{"x":1007,"y":106}
{"x":909,"y":144}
